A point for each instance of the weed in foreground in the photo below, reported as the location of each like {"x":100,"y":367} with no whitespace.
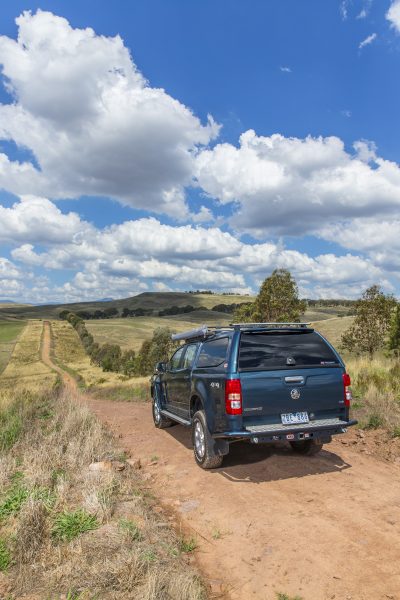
{"x":374,"y":422}
{"x":281,"y":596}
{"x":188,"y":545}
{"x":69,"y":524}
{"x":131,"y":529}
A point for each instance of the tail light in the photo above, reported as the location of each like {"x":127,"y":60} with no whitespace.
{"x":347,"y":389}
{"x":233,"y":397}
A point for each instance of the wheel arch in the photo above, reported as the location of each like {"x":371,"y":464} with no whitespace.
{"x":196,"y":403}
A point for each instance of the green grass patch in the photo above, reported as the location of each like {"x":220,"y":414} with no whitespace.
{"x":9,"y":332}
{"x":13,"y":501}
{"x":5,"y":555}
{"x":10,"y":429}
{"x":69,"y":524}
{"x":281,"y":596}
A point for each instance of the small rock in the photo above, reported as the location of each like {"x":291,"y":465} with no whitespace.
{"x":216,"y":586}
{"x":147,"y":476}
{"x":360,"y":434}
{"x":118,"y":465}
{"x":188,"y":505}
{"x":134,"y":463}
{"x":104,"y":465}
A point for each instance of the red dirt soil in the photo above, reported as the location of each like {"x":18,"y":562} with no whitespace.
{"x":268,"y":521}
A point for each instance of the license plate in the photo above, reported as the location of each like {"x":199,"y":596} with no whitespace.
{"x":293,"y":418}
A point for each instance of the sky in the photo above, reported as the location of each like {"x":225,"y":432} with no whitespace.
{"x":171,"y":146}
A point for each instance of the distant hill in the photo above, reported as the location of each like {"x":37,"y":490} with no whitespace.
{"x":154,"y":301}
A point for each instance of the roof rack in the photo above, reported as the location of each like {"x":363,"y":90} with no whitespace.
{"x":246,"y":325}
{"x":205,"y":331}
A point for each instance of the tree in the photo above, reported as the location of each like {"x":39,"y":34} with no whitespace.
{"x":371,"y":324}
{"x":394,"y":334}
{"x":277,"y":301}
{"x":128,"y":363}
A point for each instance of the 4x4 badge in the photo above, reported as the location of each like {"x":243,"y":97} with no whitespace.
{"x":295,"y":394}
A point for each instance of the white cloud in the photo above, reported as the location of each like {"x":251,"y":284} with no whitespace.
{"x":393,"y":14}
{"x":343,"y":9}
{"x":92,"y":121}
{"x":368,"y":40}
{"x":124,"y":259}
{"x":285,"y":69}
{"x":37,"y":220}
{"x":294,"y":186}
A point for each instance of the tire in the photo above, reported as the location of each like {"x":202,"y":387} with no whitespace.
{"x":203,"y":443}
{"x":306,"y":447}
{"x":160,"y":421}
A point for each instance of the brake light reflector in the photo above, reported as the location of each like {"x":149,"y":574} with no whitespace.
{"x":233,"y":397}
{"x":347,"y":389}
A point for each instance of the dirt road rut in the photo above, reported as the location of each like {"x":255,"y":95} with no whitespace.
{"x":268,"y":521}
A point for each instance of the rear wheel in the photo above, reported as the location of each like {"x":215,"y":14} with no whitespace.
{"x":159,"y":420}
{"x":306,"y":447}
{"x":203,"y":443}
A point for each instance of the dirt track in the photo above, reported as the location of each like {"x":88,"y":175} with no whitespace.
{"x":326,"y":527}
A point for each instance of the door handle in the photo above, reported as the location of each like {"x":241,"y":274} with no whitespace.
{"x":294,"y":379}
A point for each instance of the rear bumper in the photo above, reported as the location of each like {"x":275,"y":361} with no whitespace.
{"x":272,"y":433}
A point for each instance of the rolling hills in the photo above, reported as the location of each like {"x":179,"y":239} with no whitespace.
{"x":154,"y":301}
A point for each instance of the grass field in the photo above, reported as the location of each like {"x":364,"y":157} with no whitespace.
{"x":25,"y":369}
{"x":9,"y":333}
{"x":131,"y":332}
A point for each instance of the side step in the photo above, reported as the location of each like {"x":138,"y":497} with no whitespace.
{"x":174,"y":417}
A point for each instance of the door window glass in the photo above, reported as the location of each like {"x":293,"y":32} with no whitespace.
{"x":176,"y":359}
{"x":189,"y":357}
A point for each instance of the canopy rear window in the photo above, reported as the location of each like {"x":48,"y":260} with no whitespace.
{"x":284,"y":350}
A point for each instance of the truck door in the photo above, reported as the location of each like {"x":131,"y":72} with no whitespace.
{"x":171,"y":380}
{"x":185,"y":380}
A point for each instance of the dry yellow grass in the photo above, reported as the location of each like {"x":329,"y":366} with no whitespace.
{"x":126,"y":552}
{"x":25,"y":369}
{"x":69,"y":352}
{"x":130,"y":333}
{"x":333,"y":329}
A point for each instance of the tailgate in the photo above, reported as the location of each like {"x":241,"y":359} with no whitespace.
{"x":269,"y":394}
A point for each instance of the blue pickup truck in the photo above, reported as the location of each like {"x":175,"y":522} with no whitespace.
{"x":261,"y":382}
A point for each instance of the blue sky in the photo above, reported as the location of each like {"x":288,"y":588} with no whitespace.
{"x":274,"y":144}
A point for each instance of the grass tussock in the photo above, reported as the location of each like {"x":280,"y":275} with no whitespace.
{"x":376,"y":392}
{"x":72,"y":532}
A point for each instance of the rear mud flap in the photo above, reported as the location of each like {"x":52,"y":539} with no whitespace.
{"x":221,"y":447}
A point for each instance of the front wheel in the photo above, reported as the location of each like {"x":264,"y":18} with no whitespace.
{"x":203,"y":443}
{"x":160,"y":421}
{"x":306,"y":447}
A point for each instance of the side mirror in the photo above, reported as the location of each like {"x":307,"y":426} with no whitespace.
{"x":160,"y":367}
